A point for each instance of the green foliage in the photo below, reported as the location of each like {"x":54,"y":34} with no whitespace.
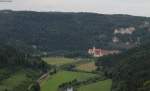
{"x":98,"y":86}
{"x":130,"y":70}
{"x":19,"y":80}
{"x":54,"y":81}
{"x":11,"y":57}
{"x":68,"y":34}
{"x":35,"y":87}
{"x":18,"y":69}
{"x":58,"y":61}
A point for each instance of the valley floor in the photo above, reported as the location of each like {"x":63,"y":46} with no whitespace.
{"x":83,"y":71}
{"x":98,"y":86}
{"x":52,"y":83}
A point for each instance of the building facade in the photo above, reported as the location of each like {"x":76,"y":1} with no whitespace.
{"x":98,"y":52}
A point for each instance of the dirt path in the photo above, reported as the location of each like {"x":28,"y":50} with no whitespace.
{"x":43,"y":77}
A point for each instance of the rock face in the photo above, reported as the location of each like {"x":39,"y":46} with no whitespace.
{"x":123,"y":31}
{"x":115,"y":39}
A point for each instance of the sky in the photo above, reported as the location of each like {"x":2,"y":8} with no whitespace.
{"x":131,"y":7}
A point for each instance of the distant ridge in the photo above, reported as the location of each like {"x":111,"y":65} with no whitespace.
{"x":70,"y":32}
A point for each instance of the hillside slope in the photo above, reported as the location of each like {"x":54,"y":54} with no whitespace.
{"x":59,"y":32}
{"x":130,"y":71}
{"x":18,"y":70}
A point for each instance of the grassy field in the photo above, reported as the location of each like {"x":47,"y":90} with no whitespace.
{"x":89,"y":66}
{"x":99,"y":86}
{"x":13,"y":81}
{"x":18,"y":80}
{"x":59,"y":60}
{"x":52,"y":83}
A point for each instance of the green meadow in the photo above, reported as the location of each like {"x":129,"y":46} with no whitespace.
{"x":14,"y":81}
{"x":52,"y":83}
{"x":58,"y":61}
{"x":98,"y":86}
{"x":18,"y":80}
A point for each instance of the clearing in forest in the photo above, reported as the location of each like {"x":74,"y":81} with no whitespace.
{"x":89,"y":66}
{"x":58,"y":61}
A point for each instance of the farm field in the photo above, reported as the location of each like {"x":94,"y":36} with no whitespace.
{"x":83,"y":67}
{"x":58,"y":61}
{"x":99,"y":86}
{"x":52,"y":83}
{"x":88,"y":66}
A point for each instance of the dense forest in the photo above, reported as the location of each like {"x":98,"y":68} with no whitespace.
{"x":130,"y":71}
{"x":57,"y":32}
{"x":11,"y":57}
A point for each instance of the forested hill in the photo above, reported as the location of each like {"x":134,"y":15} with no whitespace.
{"x":10,"y":57}
{"x":130,"y":71}
{"x":59,"y":32}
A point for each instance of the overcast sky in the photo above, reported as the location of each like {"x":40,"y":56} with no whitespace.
{"x":132,"y":7}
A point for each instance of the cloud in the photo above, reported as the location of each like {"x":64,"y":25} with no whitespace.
{"x":134,"y":7}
